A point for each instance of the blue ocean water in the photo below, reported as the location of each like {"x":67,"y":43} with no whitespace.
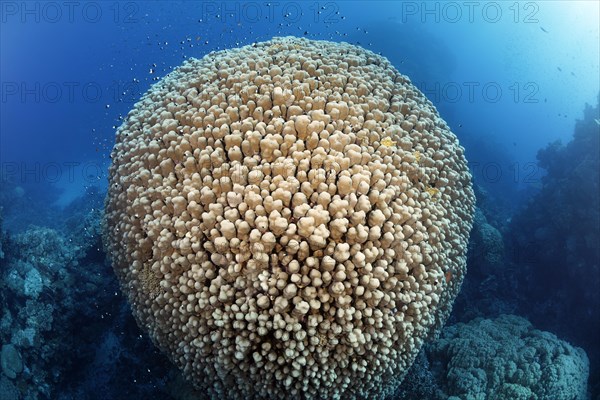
{"x":517,"y":82}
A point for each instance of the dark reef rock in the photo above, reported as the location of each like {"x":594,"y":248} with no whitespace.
{"x":487,"y":251}
{"x":419,"y":383}
{"x":506,"y":358}
{"x":2,"y":238}
{"x":555,"y":241}
{"x":65,"y":318}
{"x":488,"y":285}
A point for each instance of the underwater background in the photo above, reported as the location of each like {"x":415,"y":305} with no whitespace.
{"x":517,"y":82}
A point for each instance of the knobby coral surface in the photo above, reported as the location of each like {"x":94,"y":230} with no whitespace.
{"x":507,"y":359}
{"x":289,"y":219}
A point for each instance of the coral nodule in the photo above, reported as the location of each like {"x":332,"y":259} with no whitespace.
{"x":272,"y":228}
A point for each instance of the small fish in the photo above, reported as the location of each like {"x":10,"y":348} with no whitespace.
{"x":543,"y":30}
{"x":433,"y":193}
{"x":417,"y":155}
{"x":387,"y":142}
{"x":572,"y":73}
{"x":448,"y":276}
{"x":597,"y":121}
{"x":558,"y":68}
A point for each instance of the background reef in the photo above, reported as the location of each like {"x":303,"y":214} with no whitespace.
{"x":530,"y":295}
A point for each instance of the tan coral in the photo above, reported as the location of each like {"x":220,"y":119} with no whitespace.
{"x":266,"y":217}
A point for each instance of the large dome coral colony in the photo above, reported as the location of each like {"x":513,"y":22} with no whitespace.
{"x":289,"y":219}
